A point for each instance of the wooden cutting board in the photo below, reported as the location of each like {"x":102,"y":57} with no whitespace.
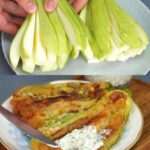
{"x":141,"y":95}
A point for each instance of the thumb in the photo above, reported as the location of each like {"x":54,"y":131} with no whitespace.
{"x":50,"y":5}
{"x":27,"y":5}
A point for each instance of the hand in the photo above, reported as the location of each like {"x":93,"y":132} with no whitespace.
{"x":9,"y":9}
{"x":50,"y":5}
{"x":8,"y":22}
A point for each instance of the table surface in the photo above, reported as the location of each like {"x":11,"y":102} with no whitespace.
{"x":4,"y":67}
{"x":141,"y":95}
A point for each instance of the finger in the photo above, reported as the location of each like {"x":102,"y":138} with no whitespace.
{"x":50,"y":5}
{"x":12,"y":19}
{"x":17,"y":21}
{"x":11,"y":29}
{"x":79,"y":4}
{"x":1,"y":5}
{"x":14,"y":8}
{"x":28,"y":5}
{"x":7,"y":26}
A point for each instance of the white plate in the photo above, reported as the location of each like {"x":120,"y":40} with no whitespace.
{"x":9,"y":134}
{"x":137,"y":65}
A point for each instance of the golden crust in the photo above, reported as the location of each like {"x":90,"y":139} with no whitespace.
{"x":97,"y":105}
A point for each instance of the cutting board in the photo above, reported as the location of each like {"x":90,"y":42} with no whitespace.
{"x":141,"y":95}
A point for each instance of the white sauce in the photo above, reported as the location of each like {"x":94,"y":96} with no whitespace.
{"x":86,"y":138}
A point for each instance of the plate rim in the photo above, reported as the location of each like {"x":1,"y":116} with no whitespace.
{"x":84,"y":81}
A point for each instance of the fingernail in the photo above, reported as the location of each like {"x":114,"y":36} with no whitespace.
{"x":50,"y":6}
{"x":31,"y":7}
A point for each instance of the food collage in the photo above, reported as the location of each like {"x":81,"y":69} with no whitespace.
{"x":74,"y":74}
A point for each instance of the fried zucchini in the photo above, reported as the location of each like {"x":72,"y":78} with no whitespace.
{"x":95,"y":104}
